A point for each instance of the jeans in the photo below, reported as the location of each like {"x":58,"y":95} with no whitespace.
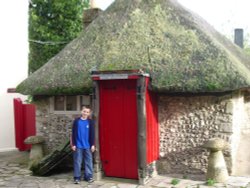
{"x":83,"y":155}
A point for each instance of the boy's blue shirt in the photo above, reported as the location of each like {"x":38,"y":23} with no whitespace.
{"x":83,"y":133}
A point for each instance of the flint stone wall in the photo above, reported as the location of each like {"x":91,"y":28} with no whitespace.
{"x":185,"y":124}
{"x":55,"y":128}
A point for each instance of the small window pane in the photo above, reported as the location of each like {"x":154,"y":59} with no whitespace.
{"x":71,"y":103}
{"x":84,"y":100}
{"x":59,"y":103}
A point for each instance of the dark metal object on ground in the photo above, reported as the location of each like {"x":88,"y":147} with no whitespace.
{"x":52,"y":160}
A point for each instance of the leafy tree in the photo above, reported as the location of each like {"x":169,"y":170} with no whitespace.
{"x":52,"y":24}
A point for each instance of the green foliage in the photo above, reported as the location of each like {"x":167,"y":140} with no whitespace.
{"x":247,"y":43}
{"x":52,"y":24}
{"x":247,"y":49}
{"x":185,"y":177}
{"x":175,"y":181}
{"x":210,"y":182}
{"x":29,"y":99}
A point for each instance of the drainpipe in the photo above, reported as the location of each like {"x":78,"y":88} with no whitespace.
{"x":238,"y":37}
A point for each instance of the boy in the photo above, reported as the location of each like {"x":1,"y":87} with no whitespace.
{"x":82,"y":144}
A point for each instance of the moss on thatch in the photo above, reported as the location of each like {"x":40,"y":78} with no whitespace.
{"x":180,"y":51}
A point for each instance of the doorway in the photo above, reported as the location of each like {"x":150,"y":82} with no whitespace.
{"x":118,"y":128}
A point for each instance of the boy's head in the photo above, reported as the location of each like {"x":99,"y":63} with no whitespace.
{"x":86,"y":111}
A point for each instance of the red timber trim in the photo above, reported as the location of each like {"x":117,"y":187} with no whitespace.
{"x":118,"y":75}
{"x":152,"y":125}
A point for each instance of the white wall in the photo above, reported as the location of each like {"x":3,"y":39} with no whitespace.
{"x":100,"y":3}
{"x":242,"y":153}
{"x":14,"y":63}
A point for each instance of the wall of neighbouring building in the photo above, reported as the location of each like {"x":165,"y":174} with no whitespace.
{"x":14,"y":64}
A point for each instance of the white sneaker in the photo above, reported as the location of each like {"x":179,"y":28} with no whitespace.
{"x":91,"y":180}
{"x":76,"y":181}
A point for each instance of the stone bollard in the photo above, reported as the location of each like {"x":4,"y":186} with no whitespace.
{"x":36,"y":152}
{"x":217,"y":169}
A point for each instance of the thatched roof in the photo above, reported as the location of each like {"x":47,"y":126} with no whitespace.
{"x":180,"y":51}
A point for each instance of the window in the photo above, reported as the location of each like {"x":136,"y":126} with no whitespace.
{"x":61,"y":104}
{"x":71,"y":103}
{"x":84,"y":101}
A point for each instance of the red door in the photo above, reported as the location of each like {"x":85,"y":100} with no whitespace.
{"x":118,"y":128}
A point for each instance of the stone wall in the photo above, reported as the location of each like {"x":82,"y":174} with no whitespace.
{"x":246,"y":126}
{"x":56,"y":128}
{"x":185,"y":124}
{"x":242,"y":152}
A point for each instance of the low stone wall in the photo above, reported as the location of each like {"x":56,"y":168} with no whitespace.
{"x":185,"y":124}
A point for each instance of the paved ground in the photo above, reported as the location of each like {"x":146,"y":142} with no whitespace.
{"x":14,"y":174}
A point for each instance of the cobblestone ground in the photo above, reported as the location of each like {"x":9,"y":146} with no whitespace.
{"x":14,"y":174}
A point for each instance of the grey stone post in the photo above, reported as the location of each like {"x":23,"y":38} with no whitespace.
{"x":217,"y":169}
{"x":36,"y":152}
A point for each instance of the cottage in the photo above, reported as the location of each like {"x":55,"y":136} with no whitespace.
{"x":199,"y":79}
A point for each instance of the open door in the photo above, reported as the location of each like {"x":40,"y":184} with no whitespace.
{"x":25,"y":123}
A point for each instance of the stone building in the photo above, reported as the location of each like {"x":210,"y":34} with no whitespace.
{"x":200,"y":78}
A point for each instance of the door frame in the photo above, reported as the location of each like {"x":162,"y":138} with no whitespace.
{"x":141,"y":85}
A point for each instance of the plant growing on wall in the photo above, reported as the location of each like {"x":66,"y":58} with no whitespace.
{"x":52,"y":24}
{"x":210,"y":182}
{"x":175,"y":181}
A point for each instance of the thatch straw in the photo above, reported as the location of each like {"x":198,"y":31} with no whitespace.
{"x":180,"y":51}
